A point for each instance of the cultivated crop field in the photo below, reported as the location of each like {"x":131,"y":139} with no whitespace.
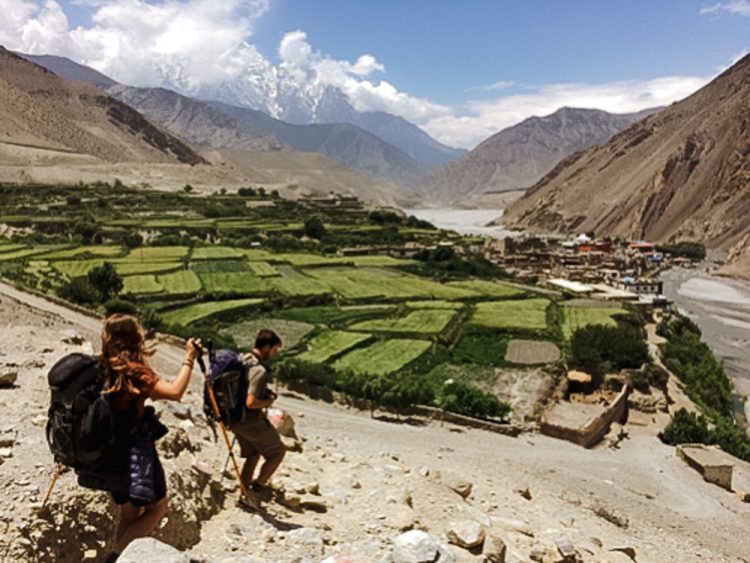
{"x":524,"y":314}
{"x":331,"y":343}
{"x":383,"y":357}
{"x":426,"y":321}
{"x":579,"y":317}
{"x":191,"y":313}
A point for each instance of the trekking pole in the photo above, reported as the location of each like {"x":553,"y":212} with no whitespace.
{"x":55,"y":477}
{"x":226,"y":463}
{"x":217,"y":414}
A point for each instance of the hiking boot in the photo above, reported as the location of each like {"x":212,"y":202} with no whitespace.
{"x":250,"y":502}
{"x":264,"y":492}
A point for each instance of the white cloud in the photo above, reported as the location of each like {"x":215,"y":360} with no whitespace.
{"x":139,"y":42}
{"x":737,"y":7}
{"x":499,"y":85}
{"x":304,"y":63}
{"x":486,"y":117}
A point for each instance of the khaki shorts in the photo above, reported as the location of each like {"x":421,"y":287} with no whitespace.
{"x":257,"y":436}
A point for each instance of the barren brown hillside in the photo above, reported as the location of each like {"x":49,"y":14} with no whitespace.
{"x":683,"y":173}
{"x":40,"y":109}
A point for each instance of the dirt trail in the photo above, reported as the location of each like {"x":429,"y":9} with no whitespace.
{"x":375,"y":477}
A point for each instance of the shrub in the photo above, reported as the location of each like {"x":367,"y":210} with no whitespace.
{"x":133,"y":240}
{"x":598,"y":349}
{"x":685,"y":428}
{"x":460,"y":397}
{"x":114,"y":306}
{"x":79,"y":290}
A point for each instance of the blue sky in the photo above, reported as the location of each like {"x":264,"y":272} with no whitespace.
{"x":461,"y":69}
{"x":441,"y":48}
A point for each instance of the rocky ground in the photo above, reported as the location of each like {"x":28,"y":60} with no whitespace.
{"x":360,"y":483}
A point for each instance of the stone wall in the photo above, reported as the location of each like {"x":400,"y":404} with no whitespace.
{"x":594,"y":429}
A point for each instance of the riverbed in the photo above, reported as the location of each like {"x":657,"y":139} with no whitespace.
{"x":721,"y":308}
{"x":464,"y":221}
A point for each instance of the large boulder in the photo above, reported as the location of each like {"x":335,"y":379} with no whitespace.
{"x":153,"y":551}
{"x":417,"y":546}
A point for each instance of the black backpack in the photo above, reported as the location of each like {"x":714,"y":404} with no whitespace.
{"x":80,"y":427}
{"x":228,"y":379}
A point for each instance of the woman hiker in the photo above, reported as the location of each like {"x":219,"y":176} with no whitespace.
{"x":129,"y":382}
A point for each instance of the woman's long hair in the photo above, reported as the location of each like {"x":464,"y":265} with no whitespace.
{"x":124,"y":354}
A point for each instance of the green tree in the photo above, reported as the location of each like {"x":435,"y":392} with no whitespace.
{"x":87,"y":230}
{"x":314,"y":227}
{"x":106,"y":280}
{"x":133,"y":239}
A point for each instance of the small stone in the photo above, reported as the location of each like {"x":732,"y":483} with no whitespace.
{"x":461,"y":486}
{"x":6,"y":452}
{"x":71,"y":336}
{"x":308,"y":540}
{"x":8,"y":376}
{"x":180,"y":410}
{"x":525,"y":493}
{"x":466,"y":534}
{"x":494,"y":549}
{"x":566,"y":548}
{"x":629,"y":551}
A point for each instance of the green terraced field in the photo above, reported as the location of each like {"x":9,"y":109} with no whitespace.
{"x":424,"y":321}
{"x":216,"y":253}
{"x":216,"y":266}
{"x":157,"y":254}
{"x":331,"y":343}
{"x":186,"y":315}
{"x":130,"y":268}
{"x":293,"y":282}
{"x":11,"y":247}
{"x":303,"y":260}
{"x":238,"y":283}
{"x":379,"y":261}
{"x":383,"y":357}
{"x":181,"y":282}
{"x":528,"y":314}
{"x":141,"y":285}
{"x":434,"y":304}
{"x":92,"y":250}
{"x":579,"y":317}
{"x":258,"y":255}
{"x":334,"y":315}
{"x":363,"y":283}
{"x":487,"y":288}
{"x":24,"y":252}
{"x":263,"y":269}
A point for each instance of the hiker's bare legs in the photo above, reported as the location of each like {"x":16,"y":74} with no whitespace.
{"x":143,"y":525}
{"x":128,"y":514}
{"x":248,"y":469}
{"x":270,"y":465}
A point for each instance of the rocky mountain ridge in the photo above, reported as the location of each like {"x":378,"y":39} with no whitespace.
{"x":516,"y":157}
{"x":681,"y":174}
{"x":40,"y":109}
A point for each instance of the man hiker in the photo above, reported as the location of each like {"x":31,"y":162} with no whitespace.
{"x":255,"y":434}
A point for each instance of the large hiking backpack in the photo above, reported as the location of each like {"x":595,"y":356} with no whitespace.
{"x":80,"y":427}
{"x":228,"y":379}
